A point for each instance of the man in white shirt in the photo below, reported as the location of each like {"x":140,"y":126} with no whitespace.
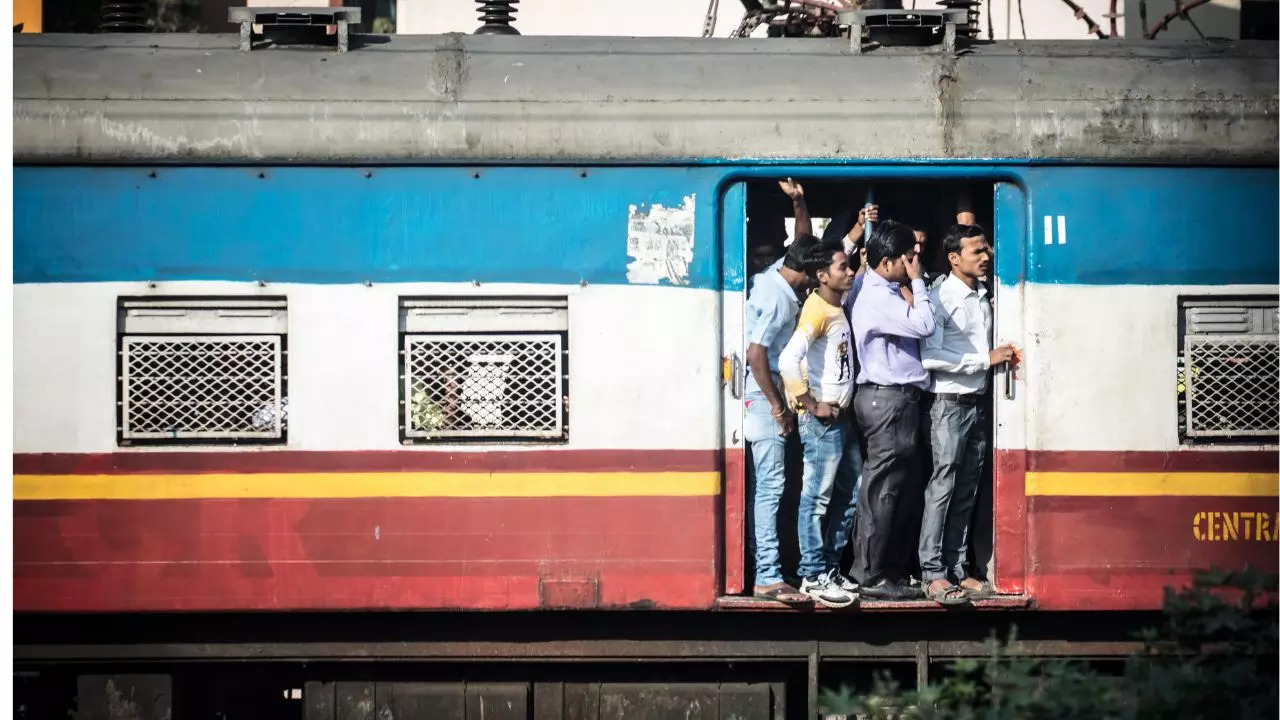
{"x":960,"y":356}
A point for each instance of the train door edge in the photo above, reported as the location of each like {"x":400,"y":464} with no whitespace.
{"x":1008,"y":563}
{"x":733,"y":244}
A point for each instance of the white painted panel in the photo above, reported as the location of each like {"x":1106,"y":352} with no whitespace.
{"x":1101,"y":365}
{"x":64,"y":368}
{"x":1012,"y":415}
{"x":644,"y":363}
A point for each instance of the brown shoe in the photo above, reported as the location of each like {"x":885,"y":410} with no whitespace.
{"x":783,"y":593}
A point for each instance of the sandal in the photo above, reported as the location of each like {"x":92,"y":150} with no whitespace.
{"x":783,"y":593}
{"x":944,"y":593}
{"x":982,"y":592}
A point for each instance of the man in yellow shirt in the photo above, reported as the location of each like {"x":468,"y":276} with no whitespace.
{"x":817,"y":374}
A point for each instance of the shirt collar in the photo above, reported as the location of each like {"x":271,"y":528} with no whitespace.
{"x":955,"y":286}
{"x":874,"y":278}
{"x":781,"y":284}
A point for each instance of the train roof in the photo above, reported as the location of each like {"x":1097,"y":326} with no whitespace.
{"x":459,"y":98}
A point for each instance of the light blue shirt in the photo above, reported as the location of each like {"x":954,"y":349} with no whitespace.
{"x":772,"y":310}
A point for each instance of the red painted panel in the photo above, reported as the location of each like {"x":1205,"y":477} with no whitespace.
{"x":735,"y":503}
{"x":1259,"y":461}
{"x":1010,"y":513}
{"x":285,"y":461}
{"x":1120,"y":552}
{"x":500,"y":553}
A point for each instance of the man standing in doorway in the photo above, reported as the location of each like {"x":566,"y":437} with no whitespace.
{"x":817,"y":373}
{"x":891,"y":380}
{"x":960,"y":355}
{"x":772,"y":309}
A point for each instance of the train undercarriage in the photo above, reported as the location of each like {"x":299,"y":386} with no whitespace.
{"x":414,"y":666}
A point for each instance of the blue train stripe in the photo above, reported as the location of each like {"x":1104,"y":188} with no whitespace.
{"x":1105,"y":225}
{"x":335,"y":225}
{"x":1152,"y":226}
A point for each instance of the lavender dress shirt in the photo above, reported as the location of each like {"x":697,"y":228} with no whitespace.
{"x":887,"y":332}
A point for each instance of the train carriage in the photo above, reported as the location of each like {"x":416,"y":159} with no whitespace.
{"x":455,"y":323}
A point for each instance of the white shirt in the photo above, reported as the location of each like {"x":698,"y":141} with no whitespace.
{"x":958,"y":351}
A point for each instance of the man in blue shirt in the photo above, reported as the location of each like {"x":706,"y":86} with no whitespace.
{"x":771,"y":320}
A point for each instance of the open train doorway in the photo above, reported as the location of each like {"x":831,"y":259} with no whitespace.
{"x":773,"y":212}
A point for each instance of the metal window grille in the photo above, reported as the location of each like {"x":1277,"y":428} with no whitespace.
{"x":211,"y":387}
{"x":1230,"y":371}
{"x":484,"y":386}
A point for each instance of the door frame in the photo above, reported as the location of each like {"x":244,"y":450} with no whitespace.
{"x":1010,"y":208}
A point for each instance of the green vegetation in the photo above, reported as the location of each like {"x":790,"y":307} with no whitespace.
{"x":1213,"y":656}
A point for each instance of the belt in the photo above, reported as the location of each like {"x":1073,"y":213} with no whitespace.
{"x":974,"y":399}
{"x":911,"y":391}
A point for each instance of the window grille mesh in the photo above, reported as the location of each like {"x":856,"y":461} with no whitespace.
{"x":1232,"y":386}
{"x":202,"y":387}
{"x":484,"y":386}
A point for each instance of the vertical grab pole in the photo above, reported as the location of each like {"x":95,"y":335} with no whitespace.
{"x":866,"y":228}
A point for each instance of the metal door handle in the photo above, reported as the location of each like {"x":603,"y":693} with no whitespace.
{"x":739,"y":379}
{"x":1008,"y":381}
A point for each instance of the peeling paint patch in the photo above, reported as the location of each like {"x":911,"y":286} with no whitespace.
{"x":660,"y":243}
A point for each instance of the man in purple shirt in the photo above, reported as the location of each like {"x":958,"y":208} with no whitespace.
{"x":891,"y":382}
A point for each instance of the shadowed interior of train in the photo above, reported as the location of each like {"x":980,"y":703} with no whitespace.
{"x":930,"y":207}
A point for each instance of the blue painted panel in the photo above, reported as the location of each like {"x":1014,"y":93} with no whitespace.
{"x":734,"y":240}
{"x":1010,"y":232}
{"x":335,"y":225}
{"x":1198,"y":226}
{"x":1153,"y":226}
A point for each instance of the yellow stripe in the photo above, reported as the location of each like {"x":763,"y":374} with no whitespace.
{"x":352,"y":485}
{"x":1190,"y":484}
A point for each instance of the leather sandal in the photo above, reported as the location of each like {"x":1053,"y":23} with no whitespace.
{"x":944,"y":593}
{"x":783,"y":593}
{"x":982,"y":592}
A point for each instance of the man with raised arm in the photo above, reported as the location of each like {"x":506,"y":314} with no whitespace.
{"x":891,"y":381}
{"x":770,"y":321}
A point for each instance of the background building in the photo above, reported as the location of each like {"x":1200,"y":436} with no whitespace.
{"x":1007,"y":19}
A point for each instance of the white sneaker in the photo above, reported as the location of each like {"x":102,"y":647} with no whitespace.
{"x":838,"y":579}
{"x":826,"y":593}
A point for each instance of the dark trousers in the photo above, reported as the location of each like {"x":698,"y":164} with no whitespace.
{"x":890,"y":422}
{"x":958,"y":436}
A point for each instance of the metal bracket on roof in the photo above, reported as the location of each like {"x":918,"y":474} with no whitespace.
{"x":294,"y":17}
{"x":917,"y":25}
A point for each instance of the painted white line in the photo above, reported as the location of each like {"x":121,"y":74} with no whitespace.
{"x":1062,"y":229}
{"x":1048,"y":229}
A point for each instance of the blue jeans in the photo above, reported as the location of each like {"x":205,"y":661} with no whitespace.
{"x":768,"y":478}
{"x":832,"y":473}
{"x":958,"y":434}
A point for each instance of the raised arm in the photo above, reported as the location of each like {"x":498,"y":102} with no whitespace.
{"x":854,"y":238}
{"x":913,"y":320}
{"x":889,"y":317}
{"x":795,"y":191}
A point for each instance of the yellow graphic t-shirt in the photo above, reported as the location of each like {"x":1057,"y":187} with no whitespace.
{"x":817,"y":357}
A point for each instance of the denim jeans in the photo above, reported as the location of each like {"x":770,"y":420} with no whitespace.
{"x":768,"y":478}
{"x":832,"y":472}
{"x":958,"y":434}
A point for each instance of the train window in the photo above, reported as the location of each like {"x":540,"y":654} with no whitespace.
{"x":484,"y":369}
{"x":1229,"y":369}
{"x":202,"y":370}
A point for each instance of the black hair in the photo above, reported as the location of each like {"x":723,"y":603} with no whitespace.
{"x":952,"y":241}
{"x":889,"y":240}
{"x":798,"y":253}
{"x":821,"y":257}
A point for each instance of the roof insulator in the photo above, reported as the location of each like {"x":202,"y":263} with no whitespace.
{"x":497,"y":16}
